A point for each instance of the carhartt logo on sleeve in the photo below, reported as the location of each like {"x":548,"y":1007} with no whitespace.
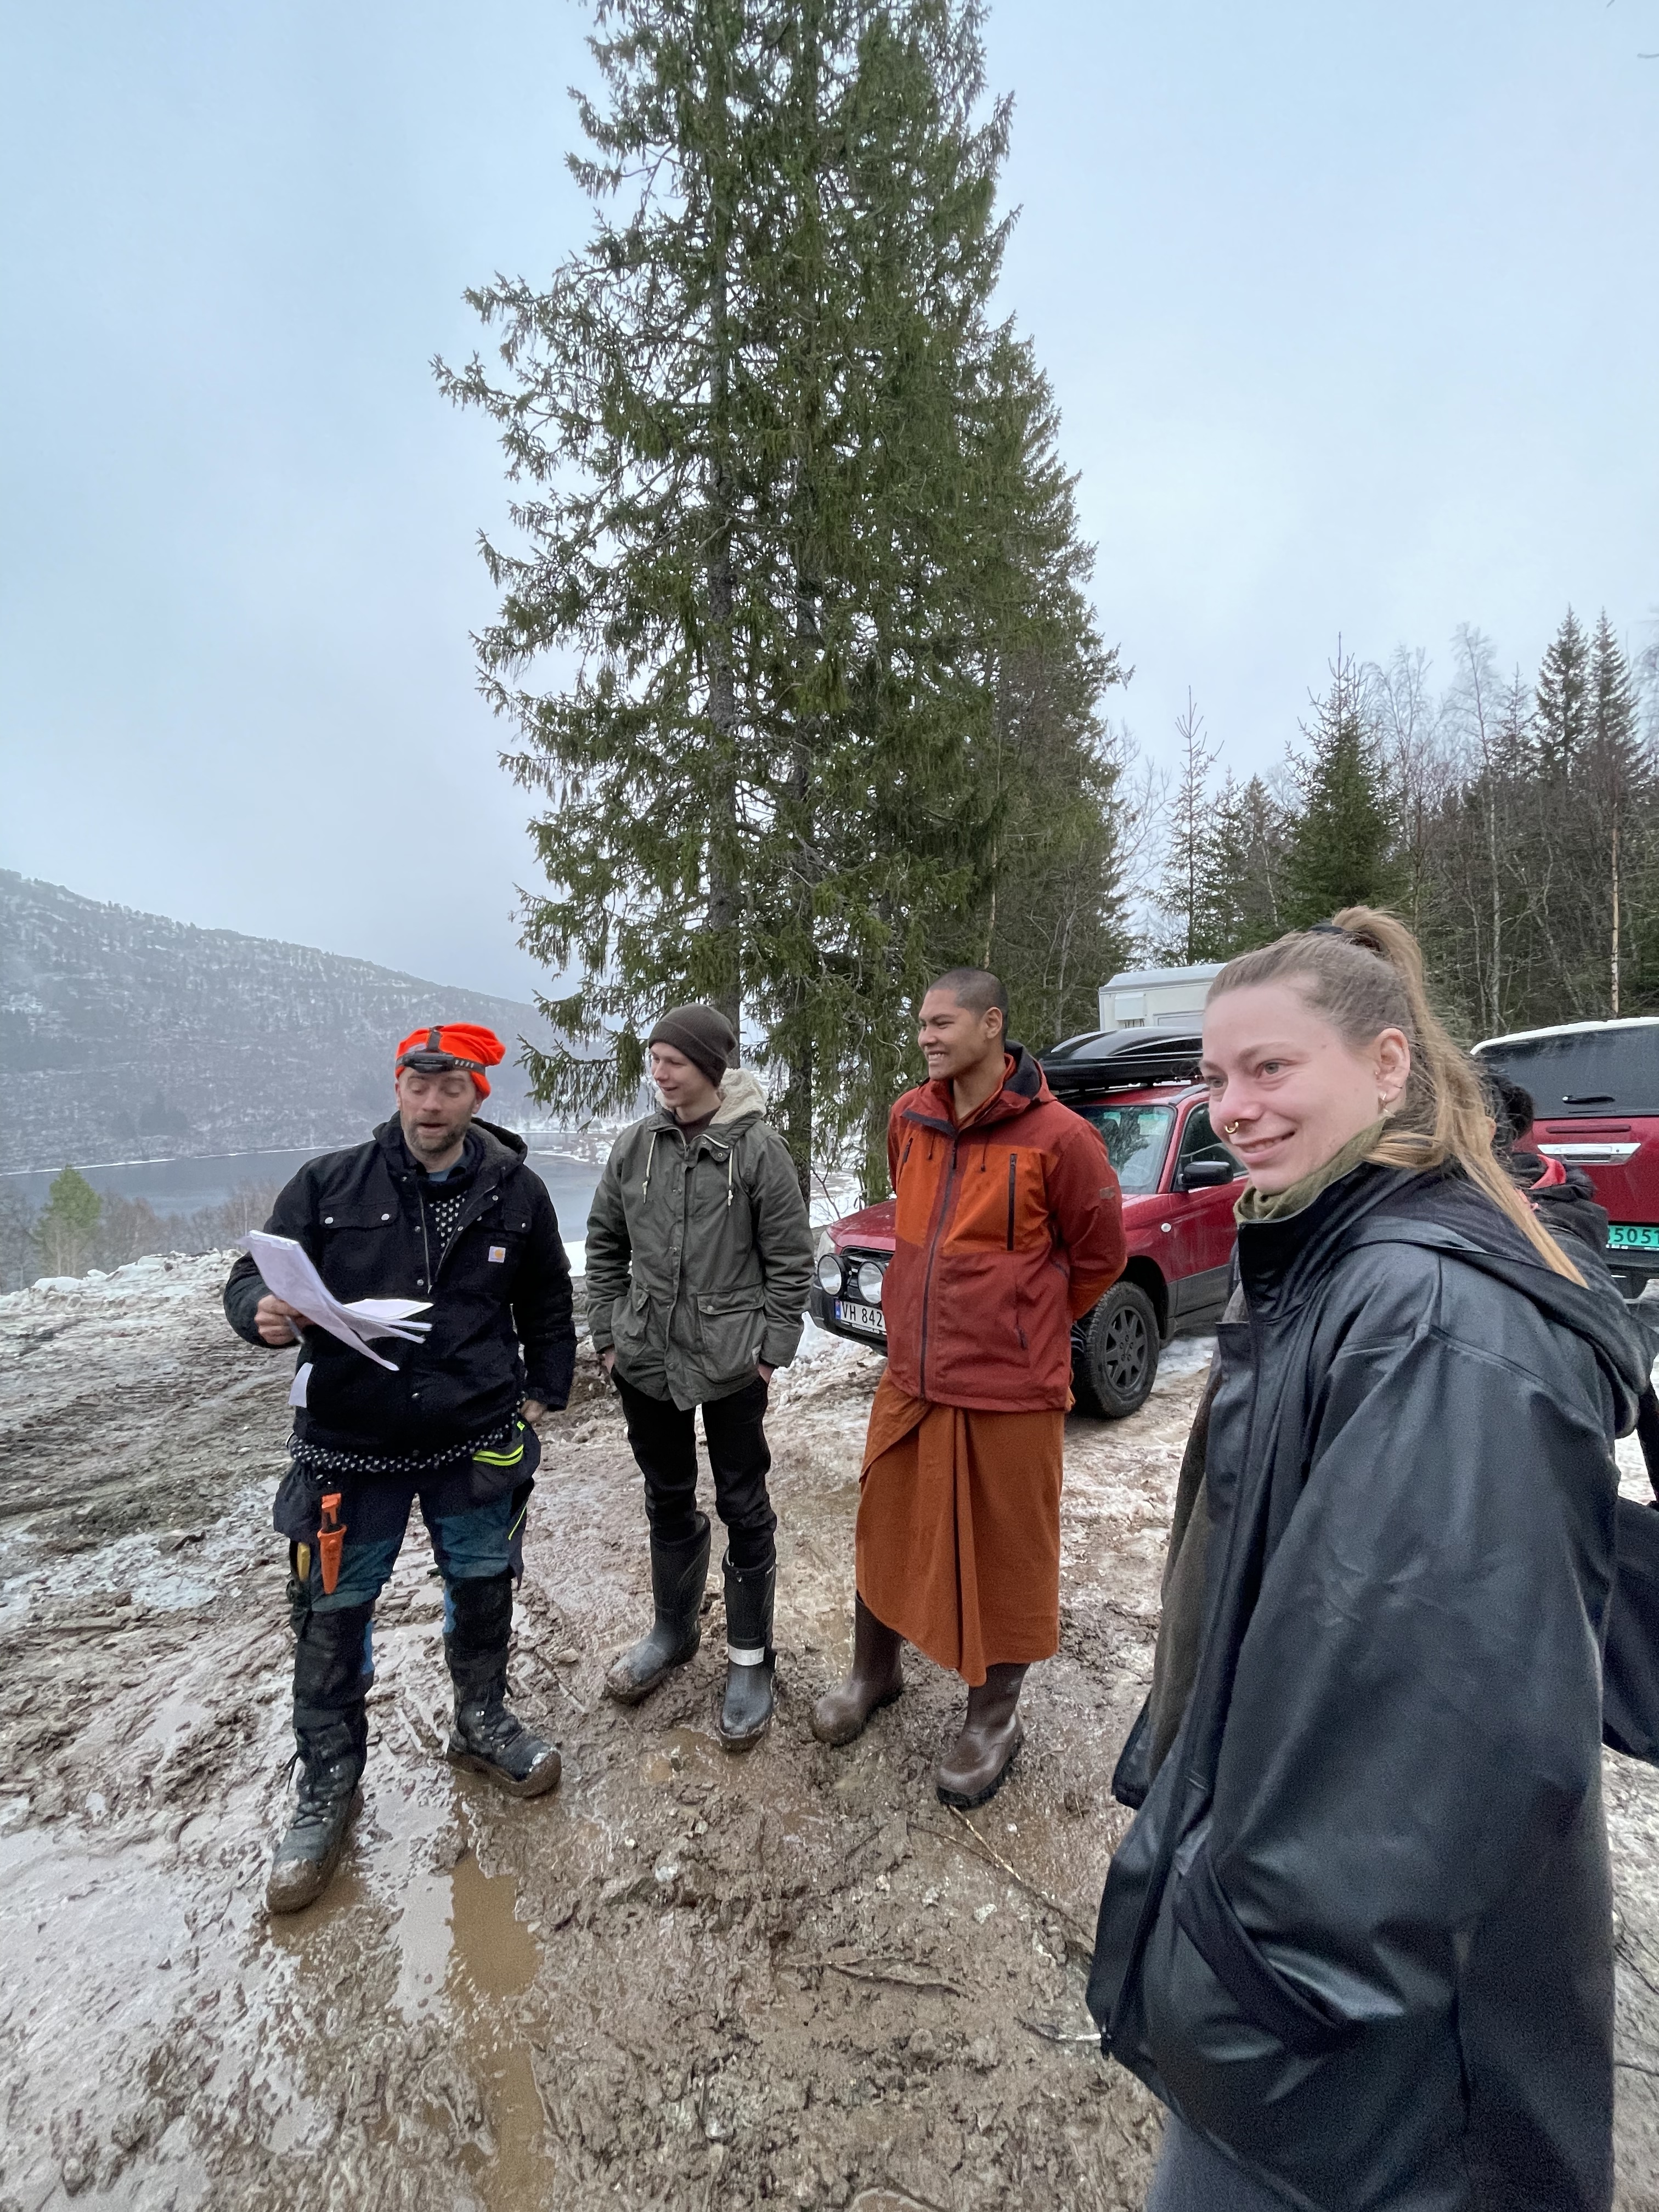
{"x":498,"y":1251}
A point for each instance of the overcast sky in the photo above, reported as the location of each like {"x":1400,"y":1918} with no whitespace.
{"x":1352,"y":312}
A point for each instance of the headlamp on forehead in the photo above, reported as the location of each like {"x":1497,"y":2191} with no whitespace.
{"x":438,"y":1063}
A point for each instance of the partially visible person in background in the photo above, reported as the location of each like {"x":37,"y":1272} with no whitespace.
{"x":1359,"y":1937}
{"x":438,"y":1206}
{"x":699,"y":1260}
{"x":1559,"y":1193}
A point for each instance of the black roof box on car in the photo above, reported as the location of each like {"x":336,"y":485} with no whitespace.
{"x":1122,"y":1060}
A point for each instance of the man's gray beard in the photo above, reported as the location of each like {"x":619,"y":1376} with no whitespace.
{"x":422,"y":1151}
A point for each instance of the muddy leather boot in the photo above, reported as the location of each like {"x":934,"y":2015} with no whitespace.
{"x":746,"y":1708}
{"x":679,"y":1573}
{"x":977,"y":1765}
{"x":486,"y":1738}
{"x":331,"y":1736}
{"x":877,"y":1678}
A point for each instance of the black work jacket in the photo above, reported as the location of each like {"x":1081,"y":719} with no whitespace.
{"x":499,"y":1293}
{"x":1360,"y":1932}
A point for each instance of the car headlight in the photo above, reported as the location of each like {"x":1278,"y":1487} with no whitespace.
{"x":870,"y":1277}
{"x":829,"y":1274}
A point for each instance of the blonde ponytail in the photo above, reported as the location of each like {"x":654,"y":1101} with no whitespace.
{"x":1364,"y":972}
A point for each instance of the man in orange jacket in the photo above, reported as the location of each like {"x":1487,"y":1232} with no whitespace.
{"x":1008,"y":1227}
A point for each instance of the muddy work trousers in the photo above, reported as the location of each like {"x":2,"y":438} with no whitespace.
{"x":663,"y":1439}
{"x":468,"y":1546}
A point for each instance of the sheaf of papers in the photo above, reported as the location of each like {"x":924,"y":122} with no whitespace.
{"x":287,"y":1272}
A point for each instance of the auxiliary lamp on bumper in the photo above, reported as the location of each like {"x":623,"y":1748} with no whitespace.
{"x":838,"y":1279}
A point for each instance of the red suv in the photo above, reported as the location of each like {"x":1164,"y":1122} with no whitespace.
{"x":1140,"y":1089}
{"x":1595,"y":1088}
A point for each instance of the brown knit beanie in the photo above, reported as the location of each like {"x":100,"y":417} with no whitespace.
{"x":702,"y":1033}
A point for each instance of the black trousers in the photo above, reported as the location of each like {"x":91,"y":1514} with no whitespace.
{"x":665,"y":1442}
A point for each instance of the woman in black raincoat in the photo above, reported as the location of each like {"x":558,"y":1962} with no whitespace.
{"x":1358,"y":1938}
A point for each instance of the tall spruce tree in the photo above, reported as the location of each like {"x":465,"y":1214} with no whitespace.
{"x":1342,"y":835}
{"x":791,"y":513}
{"x":1561,"y":721}
{"x":1242,"y":881}
{"x":1184,"y":890}
{"x":1618,"y":772}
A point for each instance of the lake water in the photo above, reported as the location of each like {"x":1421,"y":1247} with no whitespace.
{"x":182,"y":1185}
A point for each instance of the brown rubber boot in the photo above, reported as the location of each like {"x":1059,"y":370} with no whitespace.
{"x":877,"y":1678}
{"x":977,"y":1765}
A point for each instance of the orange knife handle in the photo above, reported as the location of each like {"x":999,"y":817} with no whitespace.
{"x":330,"y":1540}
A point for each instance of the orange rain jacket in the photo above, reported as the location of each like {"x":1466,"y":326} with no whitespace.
{"x":1008,"y":1229}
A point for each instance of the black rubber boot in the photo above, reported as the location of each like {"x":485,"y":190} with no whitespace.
{"x":679,"y":1574}
{"x":331,"y":1736}
{"x":746,"y":1708}
{"x":486,"y":1738}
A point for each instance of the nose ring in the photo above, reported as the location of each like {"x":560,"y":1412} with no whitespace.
{"x":1232,"y":1128}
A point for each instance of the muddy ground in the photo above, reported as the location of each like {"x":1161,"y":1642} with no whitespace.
{"x":683,"y":1980}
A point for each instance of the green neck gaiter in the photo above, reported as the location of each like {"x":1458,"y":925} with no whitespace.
{"x":1254,"y":1207}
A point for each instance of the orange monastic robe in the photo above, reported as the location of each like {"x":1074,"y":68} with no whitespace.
{"x":958,"y":1530}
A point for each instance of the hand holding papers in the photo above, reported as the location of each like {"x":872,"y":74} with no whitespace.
{"x":287,"y":1272}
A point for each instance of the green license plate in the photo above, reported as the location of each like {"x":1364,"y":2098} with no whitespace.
{"x":1624,"y":1237}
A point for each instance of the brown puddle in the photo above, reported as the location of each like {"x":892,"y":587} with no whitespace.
{"x":492,"y":1956}
{"x":681,"y":1751}
{"x":462,"y":1957}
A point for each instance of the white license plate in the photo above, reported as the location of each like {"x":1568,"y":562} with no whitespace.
{"x":857,"y":1317}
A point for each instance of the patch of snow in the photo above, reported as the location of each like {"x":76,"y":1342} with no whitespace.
{"x":817,"y":1344}
{"x":1185,"y":1356}
{"x":179,"y":1277}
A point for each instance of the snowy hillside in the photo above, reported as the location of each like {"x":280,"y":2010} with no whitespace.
{"x":124,"y":1035}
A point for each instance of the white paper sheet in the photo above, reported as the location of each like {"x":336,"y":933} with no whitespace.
{"x":288,"y":1273}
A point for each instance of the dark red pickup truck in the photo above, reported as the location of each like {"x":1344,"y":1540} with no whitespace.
{"x":1595,"y":1087}
{"x":1138,"y":1088}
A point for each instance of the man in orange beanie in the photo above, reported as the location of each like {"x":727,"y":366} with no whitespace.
{"x":441,"y":1206}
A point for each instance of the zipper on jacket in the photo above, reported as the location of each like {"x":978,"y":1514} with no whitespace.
{"x":426,"y":1242}
{"x":1012,"y":1157}
{"x":932,"y":1253}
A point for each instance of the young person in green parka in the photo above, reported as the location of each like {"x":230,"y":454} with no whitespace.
{"x":699,"y":1259}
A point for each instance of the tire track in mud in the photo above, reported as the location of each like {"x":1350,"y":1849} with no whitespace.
{"x":684,"y":1980}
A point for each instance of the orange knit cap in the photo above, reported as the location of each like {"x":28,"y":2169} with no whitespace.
{"x":453,"y":1044}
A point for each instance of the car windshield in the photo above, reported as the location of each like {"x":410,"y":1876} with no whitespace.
{"x":1137,"y":1138}
{"x":1589,"y":1072}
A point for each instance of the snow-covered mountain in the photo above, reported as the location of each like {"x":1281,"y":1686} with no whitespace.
{"x":125,"y":1035}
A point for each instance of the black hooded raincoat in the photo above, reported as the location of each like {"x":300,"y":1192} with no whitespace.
{"x":1360,"y":1932}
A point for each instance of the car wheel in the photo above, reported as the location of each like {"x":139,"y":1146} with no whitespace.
{"x":1113,"y":1370}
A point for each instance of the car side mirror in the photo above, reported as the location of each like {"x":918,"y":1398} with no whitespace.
{"x":1204,"y":1174}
